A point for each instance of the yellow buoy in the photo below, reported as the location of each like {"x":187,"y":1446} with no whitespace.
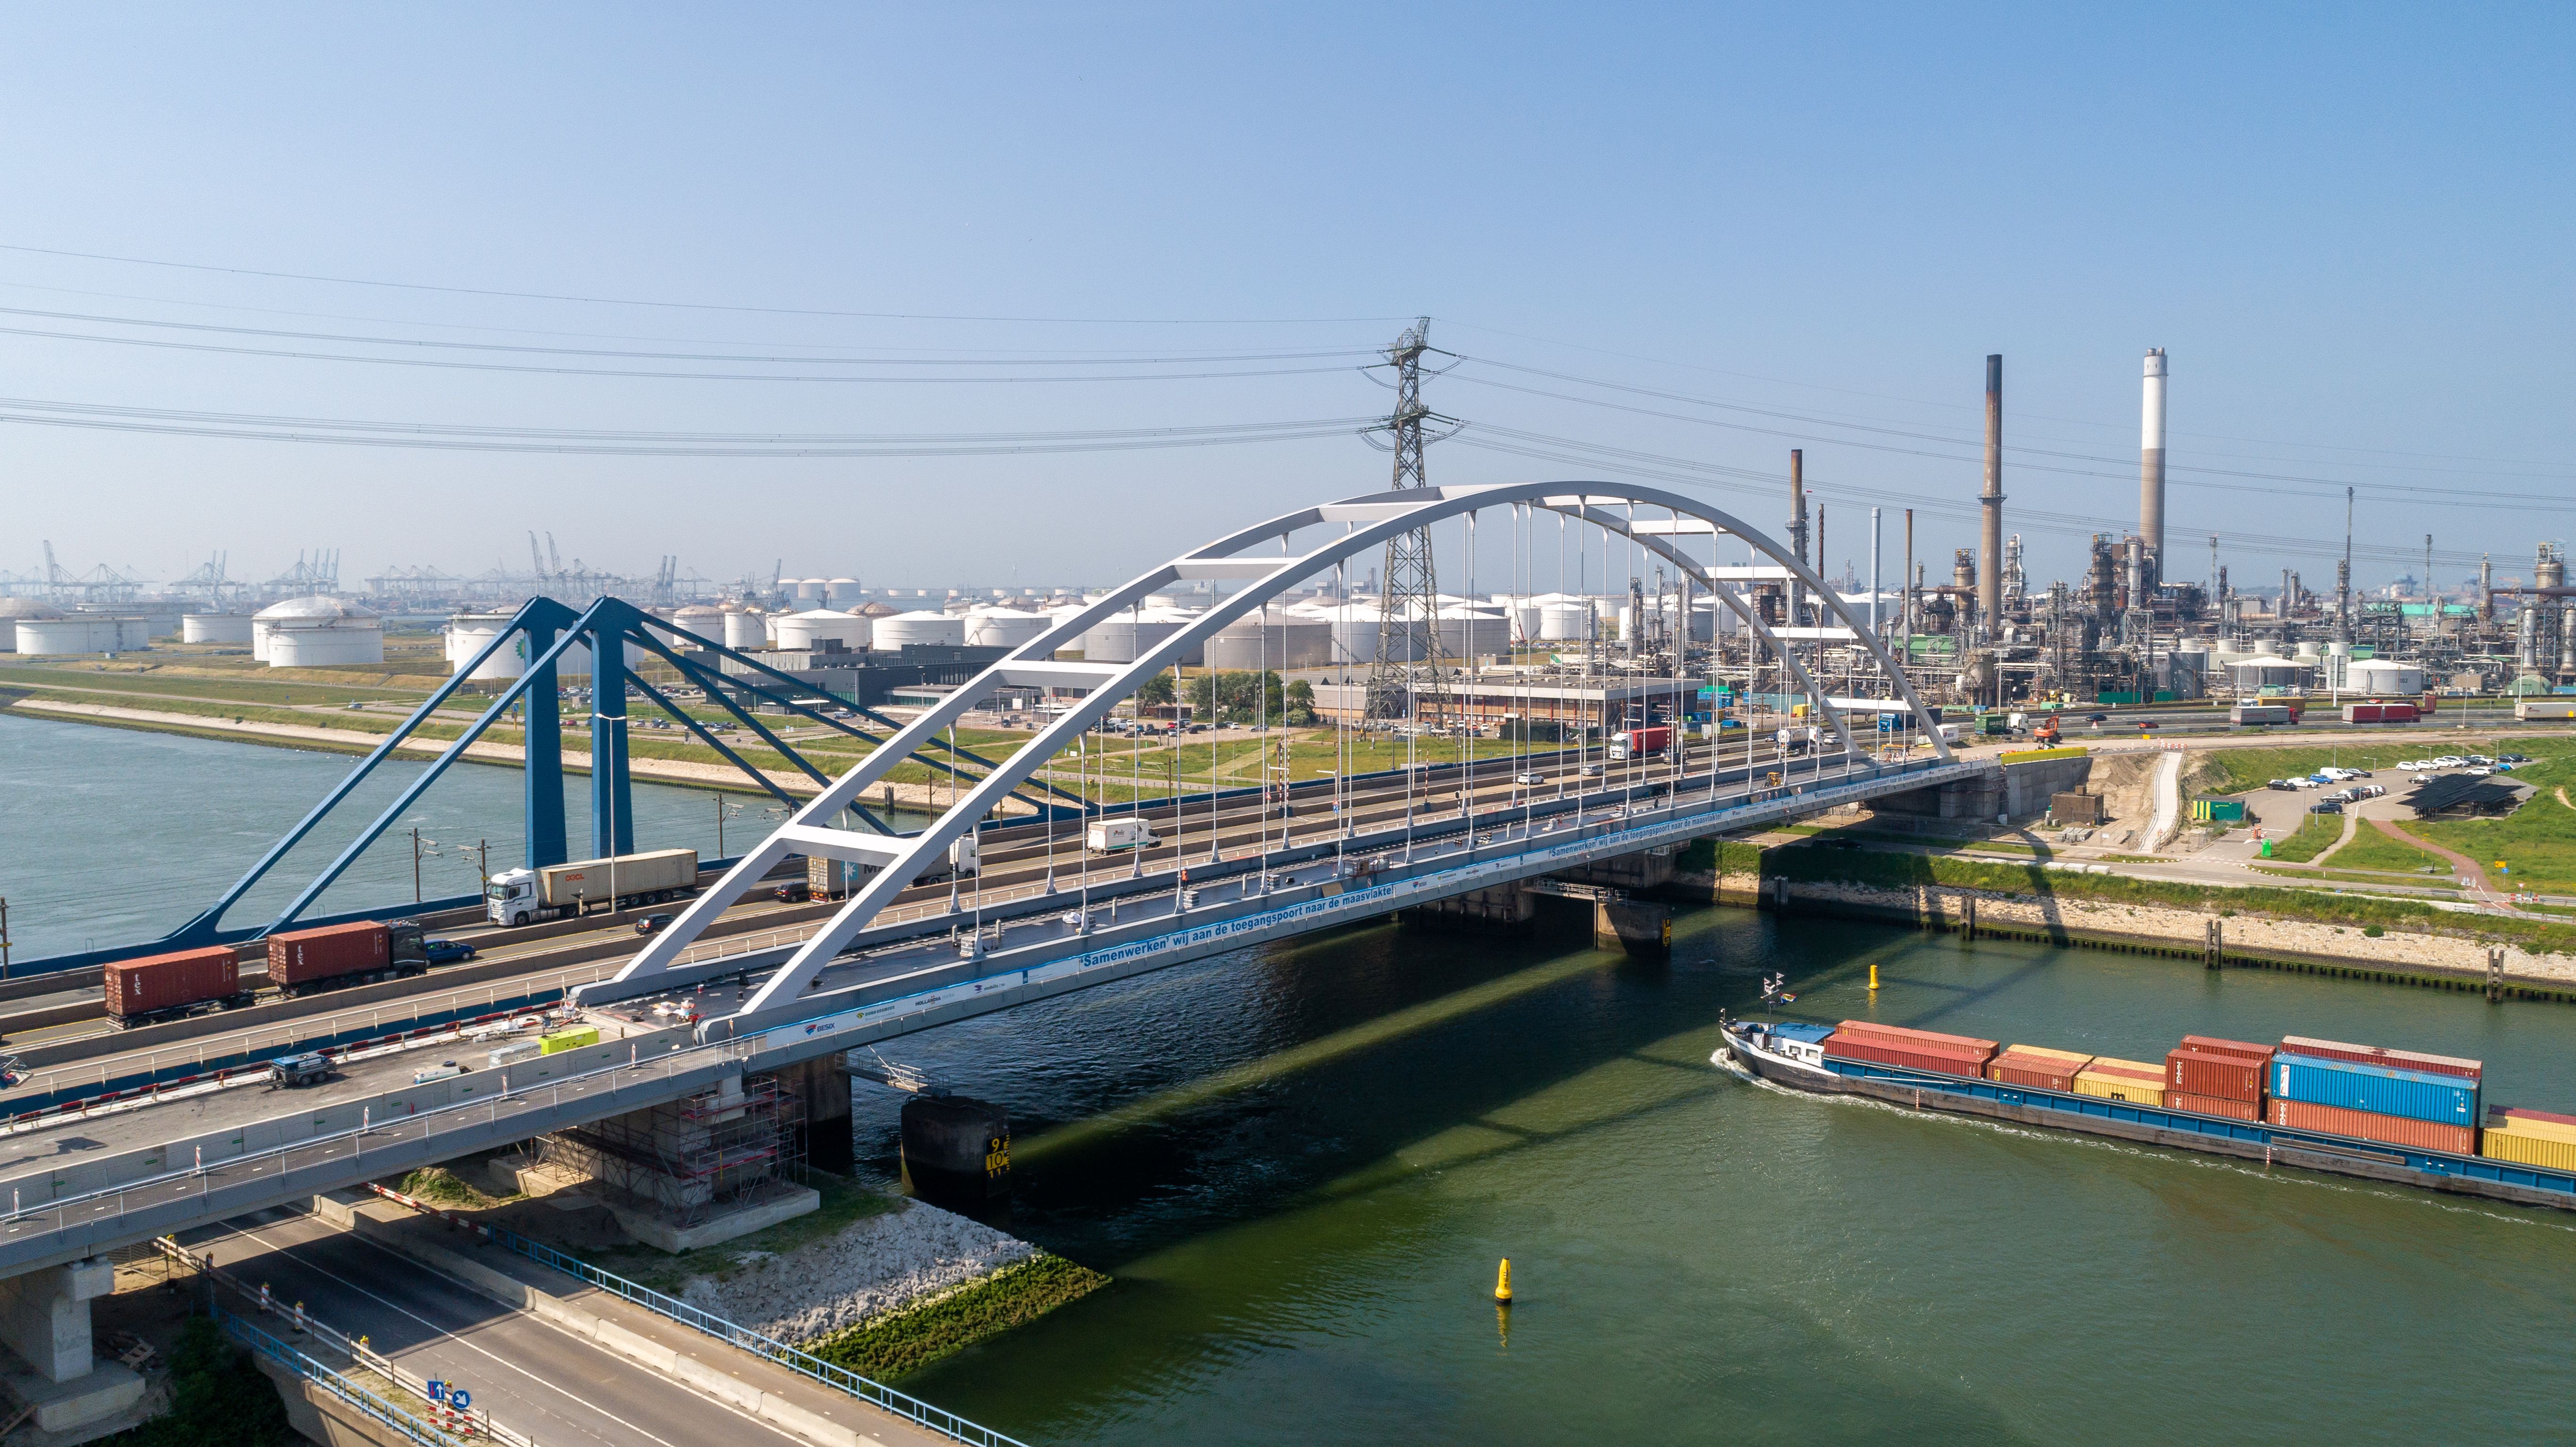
{"x":1873,"y":977}
{"x":1503,"y":1282}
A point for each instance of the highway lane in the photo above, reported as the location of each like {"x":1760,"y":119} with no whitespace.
{"x":547,"y":1383}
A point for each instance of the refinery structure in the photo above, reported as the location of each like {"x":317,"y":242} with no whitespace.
{"x":1428,"y":648}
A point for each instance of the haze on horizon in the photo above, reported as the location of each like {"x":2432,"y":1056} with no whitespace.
{"x":1666,"y":244}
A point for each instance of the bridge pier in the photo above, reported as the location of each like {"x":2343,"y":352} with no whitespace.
{"x":1638,"y":926}
{"x":44,"y":1317}
{"x":1502,"y":907}
{"x":823,"y":1127}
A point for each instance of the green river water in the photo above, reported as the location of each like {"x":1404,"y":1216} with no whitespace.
{"x":1303,"y":1165}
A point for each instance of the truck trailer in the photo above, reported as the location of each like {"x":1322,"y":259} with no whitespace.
{"x":2261,"y":713}
{"x":1110,"y":836}
{"x":2381,"y":713}
{"x":173,"y":986}
{"x":2555,"y":709}
{"x":1640,"y":743}
{"x":525,"y":896}
{"x":301,"y":961}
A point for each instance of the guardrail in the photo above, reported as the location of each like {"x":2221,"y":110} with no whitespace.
{"x":357,"y":1397}
{"x":875,"y":1393}
{"x":356,"y":1349}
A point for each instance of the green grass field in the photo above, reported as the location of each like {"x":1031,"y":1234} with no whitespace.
{"x":2538,"y":840}
{"x":2314,"y":833}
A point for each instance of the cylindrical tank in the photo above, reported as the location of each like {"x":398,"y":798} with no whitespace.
{"x":1566,"y":620}
{"x":923,"y":627}
{"x":2267,"y":671}
{"x":1004,"y":627}
{"x":808,"y":590}
{"x":320,"y":632}
{"x":1126,"y":637}
{"x":214,"y":628}
{"x":74,"y":633}
{"x":956,"y":1147}
{"x":1467,"y":633}
{"x":13,"y":611}
{"x":1355,"y":629}
{"x":701,"y":622}
{"x":467,"y":633}
{"x":816,"y":627}
{"x":841,"y":592}
{"x":1274,"y":638}
{"x":2383,"y":676}
{"x":744,"y":630}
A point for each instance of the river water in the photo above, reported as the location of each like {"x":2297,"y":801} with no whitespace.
{"x":112,"y":836}
{"x":1302,"y":1166}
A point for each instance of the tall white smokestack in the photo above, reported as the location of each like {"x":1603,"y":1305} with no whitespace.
{"x":2151,"y":464}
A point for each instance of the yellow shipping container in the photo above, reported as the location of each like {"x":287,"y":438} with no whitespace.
{"x":2549,"y":1155}
{"x":2530,"y":1129}
{"x":2134,"y":1081}
{"x":2044,"y":1053}
{"x":572,"y":1039}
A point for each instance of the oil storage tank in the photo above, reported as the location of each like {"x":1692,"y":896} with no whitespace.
{"x":320,"y":632}
{"x":1126,"y":637}
{"x":920,"y":627}
{"x":744,"y":630}
{"x":14,"y":611}
{"x":700,"y":621}
{"x":1467,"y":633}
{"x":817,"y":628}
{"x":1275,"y":638}
{"x":469,"y":633}
{"x":1004,"y":627}
{"x":2384,"y":677}
{"x":214,"y":627}
{"x":76,"y":633}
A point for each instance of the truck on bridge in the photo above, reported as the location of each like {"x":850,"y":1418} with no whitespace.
{"x":525,"y":896}
{"x":1641,"y":743}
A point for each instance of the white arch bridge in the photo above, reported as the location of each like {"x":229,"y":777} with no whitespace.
{"x":1273,"y":863}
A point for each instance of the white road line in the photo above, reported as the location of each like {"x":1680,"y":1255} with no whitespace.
{"x":586,"y":1405}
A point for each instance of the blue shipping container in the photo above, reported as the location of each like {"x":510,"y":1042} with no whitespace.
{"x":2379,"y":1089}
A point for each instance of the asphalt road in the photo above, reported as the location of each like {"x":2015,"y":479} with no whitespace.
{"x":546,"y":1383}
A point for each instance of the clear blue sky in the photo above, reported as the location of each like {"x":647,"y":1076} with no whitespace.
{"x":2349,"y":226}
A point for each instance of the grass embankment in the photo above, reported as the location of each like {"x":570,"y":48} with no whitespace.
{"x":1904,"y":871}
{"x":2315,"y":832}
{"x":2371,"y":849}
{"x":2537,"y":842}
{"x":906,"y":1341}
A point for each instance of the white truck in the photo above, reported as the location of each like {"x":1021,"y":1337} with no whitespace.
{"x":1109,"y":836}
{"x":524,"y":896}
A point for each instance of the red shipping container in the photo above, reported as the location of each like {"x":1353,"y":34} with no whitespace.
{"x":2213,"y":1105}
{"x":1902,"y":1033}
{"x":303,"y":956}
{"x":2040,"y":1072}
{"x":2381,"y":1055}
{"x":2459,"y":1140}
{"x":172,"y":981}
{"x":1969,"y":1063}
{"x":2211,"y":1045}
{"x":2226,"y":1077}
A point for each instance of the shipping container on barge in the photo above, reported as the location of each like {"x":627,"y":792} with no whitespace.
{"x":2529,"y":1156}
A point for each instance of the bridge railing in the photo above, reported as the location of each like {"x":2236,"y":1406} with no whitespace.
{"x":359,"y":1399}
{"x":878,"y":1394}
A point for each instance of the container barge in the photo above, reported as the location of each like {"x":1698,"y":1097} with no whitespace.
{"x":2350,"y":1110}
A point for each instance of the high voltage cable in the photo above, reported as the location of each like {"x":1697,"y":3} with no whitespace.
{"x":685,"y":305}
{"x":968,"y":361}
{"x":162,"y":344}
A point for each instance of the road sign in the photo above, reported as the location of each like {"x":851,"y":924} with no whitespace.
{"x":438,"y":1391}
{"x":460,"y":1399}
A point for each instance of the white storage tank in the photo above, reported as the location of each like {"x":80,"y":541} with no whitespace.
{"x":320,"y":632}
{"x":69,"y":633}
{"x":744,"y":630}
{"x":1274,"y":638}
{"x":14,"y":611}
{"x":1567,"y":620}
{"x":807,"y":590}
{"x":701,"y":622}
{"x":841,"y":592}
{"x":467,"y":633}
{"x":815,"y":627}
{"x":1004,"y":627}
{"x":922,"y":627}
{"x":1467,"y":633}
{"x":2384,"y":677}
{"x":214,"y":628}
{"x":2268,"y":670}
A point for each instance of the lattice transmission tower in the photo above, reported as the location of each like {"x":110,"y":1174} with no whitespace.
{"x":1404,"y":678}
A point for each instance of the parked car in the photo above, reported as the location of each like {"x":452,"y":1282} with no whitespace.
{"x":2287,"y":785}
{"x":2327,"y":806}
{"x":446,"y":952}
{"x":653,"y":923}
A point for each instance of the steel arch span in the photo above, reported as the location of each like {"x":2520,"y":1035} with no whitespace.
{"x":1368,"y":521}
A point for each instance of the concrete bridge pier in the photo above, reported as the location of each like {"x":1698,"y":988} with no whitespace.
{"x":44,"y":1317}
{"x":1638,"y":926}
{"x":823,"y":1128}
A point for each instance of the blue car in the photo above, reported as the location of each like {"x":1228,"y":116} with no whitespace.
{"x":446,"y":952}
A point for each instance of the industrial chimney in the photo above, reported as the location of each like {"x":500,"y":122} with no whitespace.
{"x":1990,"y":552}
{"x":2151,"y":466}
